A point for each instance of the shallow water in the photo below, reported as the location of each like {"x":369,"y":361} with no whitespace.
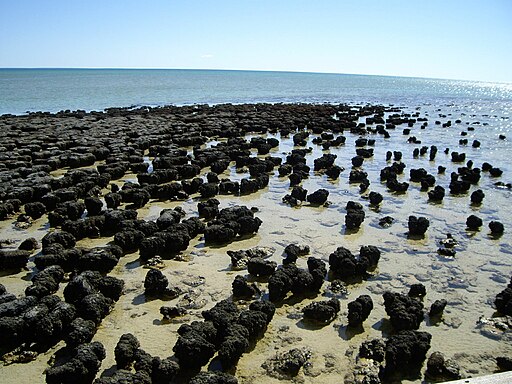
{"x":470,"y":281}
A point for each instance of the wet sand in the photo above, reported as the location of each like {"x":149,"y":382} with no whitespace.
{"x":469,"y":281}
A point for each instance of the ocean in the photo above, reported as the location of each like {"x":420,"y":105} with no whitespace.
{"x":51,"y":90}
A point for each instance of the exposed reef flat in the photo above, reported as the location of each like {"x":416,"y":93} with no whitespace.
{"x":255,"y":243}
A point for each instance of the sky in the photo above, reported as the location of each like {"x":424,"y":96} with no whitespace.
{"x":453,"y":39}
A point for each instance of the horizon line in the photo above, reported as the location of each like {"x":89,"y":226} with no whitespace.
{"x":257,"y":70}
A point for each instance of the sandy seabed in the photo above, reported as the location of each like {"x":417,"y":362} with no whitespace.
{"x":469,"y":281}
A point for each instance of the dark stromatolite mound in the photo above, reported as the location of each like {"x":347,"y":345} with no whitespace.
{"x":299,"y":193}
{"x":496,"y":227}
{"x":172,"y":312}
{"x":239,"y":259}
{"x":129,"y":239}
{"x":503,"y":300}
{"x":322,"y":311}
{"x":17,"y":306}
{"x":504,"y":363}
{"x":293,"y":251}
{"x":94,"y":205}
{"x":29,"y":244}
{"x":168,"y":217}
{"x":13,"y":259}
{"x":359,"y":310}
{"x":290,"y":278}
{"x":46,"y":282}
{"x":80,"y":368}
{"x":375,"y":198}
{"x":160,"y":371}
{"x":226,"y":330}
{"x":369,"y":255}
{"x":417,"y":290}
{"x":165,"y":243}
{"x":231,"y":222}
{"x":324,"y":162}
{"x":386,"y":221}
{"x":458,"y":187}
{"x":355,"y":215}
{"x":345,"y":265}
{"x":155,"y":283}
{"x":437,"y":194}
{"x":5,"y":296}
{"x":458,"y":157}
{"x":242,"y":289}
{"x":80,"y":331}
{"x":90,"y":282}
{"x":27,"y":320}
{"x":213,"y":377}
{"x":418,"y":225}
{"x":357,"y":176}
{"x":56,"y":254}
{"x":394,"y":185}
{"x":440,"y":369}
{"x":35,"y":210}
{"x":258,"y":266}
{"x":405,"y":313}
{"x":113,"y":200}
{"x":406,"y":351}
{"x":288,"y":364}
{"x":437,"y":308}
{"x":364,"y":185}
{"x":280,"y":283}
{"x":101,"y":259}
{"x":125,"y":377}
{"x":318,"y":197}
{"x":474,"y":222}
{"x":94,"y":307}
{"x":334,"y":172}
{"x":9,"y":207}
{"x":357,"y":161}
{"x":373,"y":349}
{"x":193,"y":351}
{"x":125,"y":350}
{"x":495,"y":172}
{"x":12,"y":324}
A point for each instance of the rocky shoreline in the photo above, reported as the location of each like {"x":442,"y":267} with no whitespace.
{"x":230,"y":243}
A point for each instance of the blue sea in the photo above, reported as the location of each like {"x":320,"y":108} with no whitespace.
{"x":23,"y":90}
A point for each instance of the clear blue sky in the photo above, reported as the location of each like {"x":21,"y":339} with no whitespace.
{"x":456,"y":39}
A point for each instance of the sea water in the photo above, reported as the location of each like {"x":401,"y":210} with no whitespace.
{"x":51,"y":90}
